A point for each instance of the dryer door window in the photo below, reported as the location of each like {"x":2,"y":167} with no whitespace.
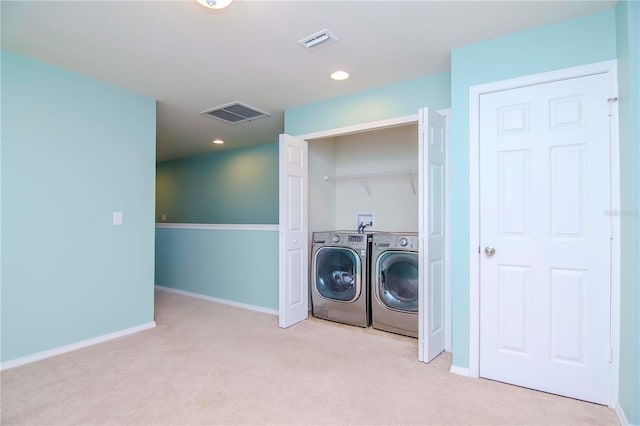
{"x":397,"y":280}
{"x":337,"y":273}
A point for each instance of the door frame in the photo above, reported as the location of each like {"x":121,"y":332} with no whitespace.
{"x":606,"y":67}
{"x":401,"y":121}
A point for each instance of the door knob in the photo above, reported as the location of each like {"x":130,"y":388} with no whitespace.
{"x":489,"y":251}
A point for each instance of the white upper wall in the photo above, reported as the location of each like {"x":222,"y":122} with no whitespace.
{"x":391,"y":199}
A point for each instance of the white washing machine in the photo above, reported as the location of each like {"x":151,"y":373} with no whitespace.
{"x":339,"y":277}
{"x":394,"y":283}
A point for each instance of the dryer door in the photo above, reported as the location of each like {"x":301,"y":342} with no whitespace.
{"x":337,"y":274}
{"x":397,"y":280}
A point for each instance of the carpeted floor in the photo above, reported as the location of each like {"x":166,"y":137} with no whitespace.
{"x":207,"y":363}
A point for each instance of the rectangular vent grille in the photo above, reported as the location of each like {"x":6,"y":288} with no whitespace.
{"x":318,"y":40}
{"x":235,"y":112}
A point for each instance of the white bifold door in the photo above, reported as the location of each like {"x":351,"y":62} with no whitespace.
{"x":545,"y":250}
{"x":431,"y":223}
{"x":293,"y":238}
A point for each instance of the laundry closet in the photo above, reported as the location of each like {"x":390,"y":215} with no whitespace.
{"x":390,"y":178}
{"x":363,"y":225}
{"x":373,"y":172}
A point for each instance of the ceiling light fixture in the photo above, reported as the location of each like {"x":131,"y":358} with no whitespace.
{"x":218,"y":141}
{"x":340,"y":75}
{"x":215,"y":4}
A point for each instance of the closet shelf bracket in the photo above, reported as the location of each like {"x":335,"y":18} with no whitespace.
{"x":366,"y":176}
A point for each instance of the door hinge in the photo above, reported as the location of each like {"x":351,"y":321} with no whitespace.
{"x":610,"y":101}
{"x":610,"y":354}
{"x":611,"y":232}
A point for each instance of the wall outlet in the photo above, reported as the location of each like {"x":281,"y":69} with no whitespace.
{"x":164,"y":217}
{"x":117,"y":218}
{"x":364,"y":219}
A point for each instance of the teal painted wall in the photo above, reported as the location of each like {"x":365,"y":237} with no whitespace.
{"x":73,"y":151}
{"x":387,"y":102}
{"x":628,"y":37}
{"x":570,"y":43}
{"x":240,"y":266}
{"x":235,"y":186}
{"x":1,"y":202}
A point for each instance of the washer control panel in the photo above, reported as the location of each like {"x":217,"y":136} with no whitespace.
{"x":347,"y":239}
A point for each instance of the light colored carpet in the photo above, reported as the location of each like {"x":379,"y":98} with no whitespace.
{"x":208,"y":363}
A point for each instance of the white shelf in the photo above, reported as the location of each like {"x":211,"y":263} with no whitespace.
{"x":366,"y":176}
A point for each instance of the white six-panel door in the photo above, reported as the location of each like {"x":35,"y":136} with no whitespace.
{"x":293,"y":239}
{"x":545,"y":237}
{"x":431,"y":208}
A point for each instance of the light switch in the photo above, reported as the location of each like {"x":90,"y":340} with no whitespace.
{"x":117,"y":218}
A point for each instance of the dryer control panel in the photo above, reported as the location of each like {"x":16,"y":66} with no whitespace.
{"x":396,"y":241}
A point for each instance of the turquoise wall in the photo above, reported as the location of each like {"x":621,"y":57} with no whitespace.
{"x":230,"y":187}
{"x":387,"y":102}
{"x":235,"y":186}
{"x":628,"y":37}
{"x":73,"y":151}
{"x":1,"y":202}
{"x":570,"y":43}
{"x":240,"y":266}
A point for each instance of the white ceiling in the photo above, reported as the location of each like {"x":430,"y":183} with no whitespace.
{"x":190,"y":58}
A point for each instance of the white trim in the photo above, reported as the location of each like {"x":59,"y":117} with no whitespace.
{"x":218,"y":226}
{"x":461,"y":371}
{"x":363,"y":127}
{"x":615,"y":242}
{"x":423,"y":249}
{"x":448,"y":336}
{"x":74,"y":346}
{"x":474,"y":232}
{"x":622,"y":418}
{"x":606,"y":67}
{"x":217,"y":300}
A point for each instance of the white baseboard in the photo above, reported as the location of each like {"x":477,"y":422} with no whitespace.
{"x":462,"y":371}
{"x":622,"y":418}
{"x":74,"y":346}
{"x":223,"y":301}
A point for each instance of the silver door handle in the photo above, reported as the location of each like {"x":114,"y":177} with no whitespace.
{"x":489,"y":251}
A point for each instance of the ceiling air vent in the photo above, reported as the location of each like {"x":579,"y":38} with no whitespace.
{"x":318,"y":40}
{"x":235,"y":112}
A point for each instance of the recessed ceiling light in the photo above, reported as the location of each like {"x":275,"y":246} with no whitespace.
{"x":215,"y":4}
{"x":340,"y":75}
{"x":218,"y":141}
